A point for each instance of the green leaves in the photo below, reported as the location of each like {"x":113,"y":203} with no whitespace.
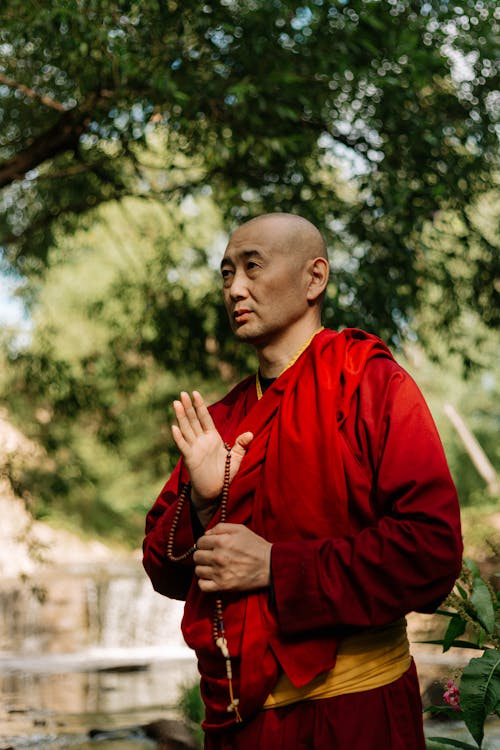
{"x":475,"y":607}
{"x":444,"y":743}
{"x":483,"y":604}
{"x":476,"y":604}
{"x":455,"y":628}
{"x":480,"y":691}
{"x":126,"y":317}
{"x":346,"y":113}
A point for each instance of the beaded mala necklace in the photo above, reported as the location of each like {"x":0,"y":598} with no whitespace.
{"x":218,"y":631}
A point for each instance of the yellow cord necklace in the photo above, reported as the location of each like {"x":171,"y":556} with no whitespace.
{"x":293,"y":360}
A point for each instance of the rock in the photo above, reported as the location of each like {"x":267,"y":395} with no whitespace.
{"x":169,"y":734}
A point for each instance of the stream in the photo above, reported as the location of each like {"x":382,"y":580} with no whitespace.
{"x":91,"y":655}
{"x":92,"y":647}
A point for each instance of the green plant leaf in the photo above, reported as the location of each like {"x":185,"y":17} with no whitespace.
{"x":472,"y":566}
{"x":482,"y":603}
{"x":480,"y":691}
{"x":445,"y":613}
{"x":456,"y":627}
{"x":443,"y":711}
{"x":432,"y":744}
{"x":455,"y":644}
{"x":461,"y":591}
{"x":438,"y":743}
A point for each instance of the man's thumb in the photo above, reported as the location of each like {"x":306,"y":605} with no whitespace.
{"x":242,"y":442}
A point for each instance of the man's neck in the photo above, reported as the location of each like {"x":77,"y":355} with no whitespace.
{"x":276,"y":356}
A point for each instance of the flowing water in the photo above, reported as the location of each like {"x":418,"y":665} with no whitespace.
{"x":93,"y":649}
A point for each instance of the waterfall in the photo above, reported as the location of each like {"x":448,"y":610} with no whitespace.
{"x":100,"y":608}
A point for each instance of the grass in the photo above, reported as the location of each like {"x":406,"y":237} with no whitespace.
{"x":192,"y":709}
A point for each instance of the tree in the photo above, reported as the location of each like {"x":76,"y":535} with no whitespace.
{"x":120,"y":326}
{"x":370,"y":117}
{"x":126,"y":316}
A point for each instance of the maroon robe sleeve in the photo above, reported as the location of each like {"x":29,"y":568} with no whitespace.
{"x":171,"y":579}
{"x":404,"y":549}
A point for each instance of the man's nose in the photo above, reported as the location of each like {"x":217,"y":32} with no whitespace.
{"x":238,"y":288}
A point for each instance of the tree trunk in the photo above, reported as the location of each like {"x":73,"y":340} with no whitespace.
{"x":473,"y":448}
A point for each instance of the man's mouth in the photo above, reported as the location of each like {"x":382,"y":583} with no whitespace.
{"x":241,"y":316}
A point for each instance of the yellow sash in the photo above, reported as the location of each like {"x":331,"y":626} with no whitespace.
{"x":365,"y":661}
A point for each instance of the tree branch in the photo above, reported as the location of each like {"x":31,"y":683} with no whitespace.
{"x":63,"y":135}
{"x":47,"y":218}
{"x":63,"y":173}
{"x":32,"y":94}
{"x":474,"y":449}
{"x":81,"y":207}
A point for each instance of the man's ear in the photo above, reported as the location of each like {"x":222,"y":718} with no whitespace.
{"x":319,"y":271}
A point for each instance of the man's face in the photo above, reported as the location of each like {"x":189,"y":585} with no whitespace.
{"x":264,"y":282}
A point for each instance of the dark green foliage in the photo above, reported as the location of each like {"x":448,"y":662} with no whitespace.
{"x":344,"y":112}
{"x":444,"y":743}
{"x":474,"y":397}
{"x":455,"y":629}
{"x":192,"y":708}
{"x":474,"y":606}
{"x":480,"y":691}
{"x":483,"y":604}
{"x":116,"y":336}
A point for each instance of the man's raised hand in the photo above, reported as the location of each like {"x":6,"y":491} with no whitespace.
{"x":203,"y":448}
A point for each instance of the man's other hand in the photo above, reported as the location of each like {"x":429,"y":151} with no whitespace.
{"x":230,"y":557}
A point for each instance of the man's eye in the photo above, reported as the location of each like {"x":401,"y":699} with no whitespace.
{"x":251,"y":264}
{"x":226,"y":274}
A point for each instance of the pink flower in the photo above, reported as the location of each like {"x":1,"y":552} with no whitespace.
{"x":452,"y":695}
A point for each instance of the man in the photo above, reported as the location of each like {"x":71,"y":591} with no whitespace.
{"x":311,"y":510}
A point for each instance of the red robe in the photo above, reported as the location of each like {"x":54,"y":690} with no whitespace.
{"x":347,"y":477}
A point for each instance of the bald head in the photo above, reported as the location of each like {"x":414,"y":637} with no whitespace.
{"x":274,"y":271}
{"x":290,"y":234}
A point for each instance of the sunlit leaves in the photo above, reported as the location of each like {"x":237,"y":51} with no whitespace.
{"x":372,"y":116}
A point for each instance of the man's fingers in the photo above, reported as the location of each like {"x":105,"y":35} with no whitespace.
{"x":206,"y":420}
{"x":208,"y":587}
{"x":220,"y":528}
{"x":191,"y":414}
{"x":202,"y":556}
{"x":183,"y":422}
{"x":203,"y":543}
{"x":211,"y":580}
{"x":179,"y":440}
{"x":205,"y":572}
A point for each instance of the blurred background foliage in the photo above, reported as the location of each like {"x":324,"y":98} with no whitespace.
{"x":134,"y":136}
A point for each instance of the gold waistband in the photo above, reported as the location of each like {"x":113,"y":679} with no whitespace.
{"x":364,"y":661}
